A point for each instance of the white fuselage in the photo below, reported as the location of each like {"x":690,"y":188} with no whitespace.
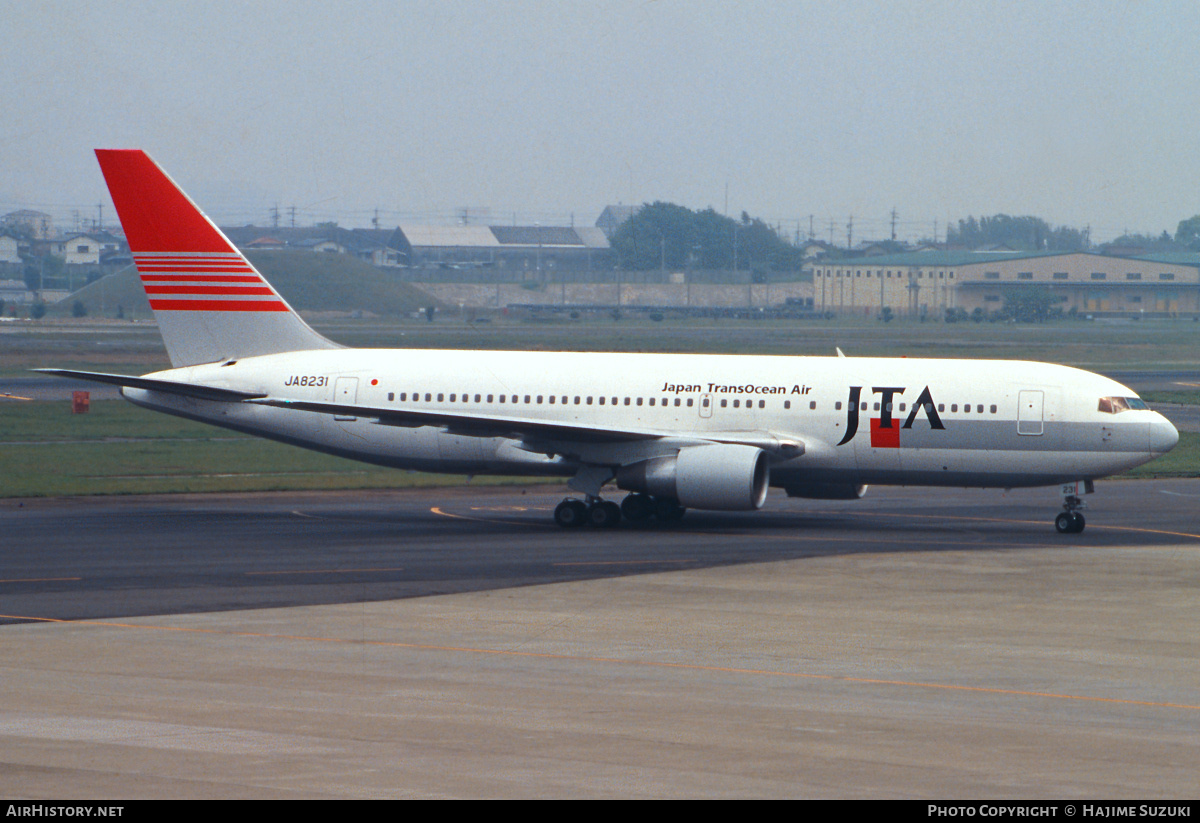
{"x":951,"y":422}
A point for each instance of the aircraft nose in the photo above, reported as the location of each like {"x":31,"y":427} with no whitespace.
{"x":1163,"y":436}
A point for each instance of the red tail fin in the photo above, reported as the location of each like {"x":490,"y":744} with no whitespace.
{"x":205,"y":295}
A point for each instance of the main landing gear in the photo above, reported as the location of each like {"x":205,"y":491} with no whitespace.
{"x":1070,"y":521}
{"x":604,"y":514}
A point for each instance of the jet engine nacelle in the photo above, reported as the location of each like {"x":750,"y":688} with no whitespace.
{"x":729,"y":477}
{"x":826,"y":491}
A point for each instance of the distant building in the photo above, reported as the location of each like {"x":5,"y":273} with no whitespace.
{"x":613,"y":216}
{"x":375,"y":246}
{"x":10,"y":248}
{"x":928,"y":283}
{"x":15,"y":291}
{"x":522,"y":248}
{"x":86,"y":249}
{"x":36,"y":224}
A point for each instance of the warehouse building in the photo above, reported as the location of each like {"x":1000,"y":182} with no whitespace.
{"x":929,"y":283}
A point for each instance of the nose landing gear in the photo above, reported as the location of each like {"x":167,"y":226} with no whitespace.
{"x":1070,"y":521}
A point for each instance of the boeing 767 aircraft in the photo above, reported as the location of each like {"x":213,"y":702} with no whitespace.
{"x":675,"y":430}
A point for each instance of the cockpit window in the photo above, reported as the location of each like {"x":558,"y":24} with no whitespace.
{"x":1116,"y":405}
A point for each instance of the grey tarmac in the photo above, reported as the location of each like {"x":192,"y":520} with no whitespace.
{"x":451,"y":643}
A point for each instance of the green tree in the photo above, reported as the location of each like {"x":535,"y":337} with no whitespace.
{"x":1025,"y":233}
{"x":666,"y":235}
{"x":1030,"y":305}
{"x":1188,"y":233}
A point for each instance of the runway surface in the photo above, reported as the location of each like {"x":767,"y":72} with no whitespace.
{"x":452,"y":643}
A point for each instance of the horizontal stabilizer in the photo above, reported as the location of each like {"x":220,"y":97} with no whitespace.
{"x":151,"y":384}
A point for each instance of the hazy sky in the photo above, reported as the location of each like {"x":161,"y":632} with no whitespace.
{"x":1082,"y":113}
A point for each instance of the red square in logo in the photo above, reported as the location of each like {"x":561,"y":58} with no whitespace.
{"x":885,"y":438}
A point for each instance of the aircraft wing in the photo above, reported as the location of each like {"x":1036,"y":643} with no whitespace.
{"x":537,"y":435}
{"x":533,"y":430}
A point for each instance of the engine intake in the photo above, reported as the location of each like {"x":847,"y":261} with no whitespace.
{"x":721,"y":476}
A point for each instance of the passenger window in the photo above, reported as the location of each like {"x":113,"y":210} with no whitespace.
{"x":724,"y":402}
{"x":441,"y":397}
{"x":689,"y":403}
{"x":812,"y":404}
{"x":787,"y":404}
{"x":391,"y":396}
{"x":651,"y":401}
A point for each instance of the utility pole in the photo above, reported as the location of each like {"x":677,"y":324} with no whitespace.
{"x":850,"y":233}
{"x":893,"y":224}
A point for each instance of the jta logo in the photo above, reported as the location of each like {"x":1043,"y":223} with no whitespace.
{"x":885,"y":434}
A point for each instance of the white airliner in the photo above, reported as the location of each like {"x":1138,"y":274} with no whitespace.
{"x":676,"y":430}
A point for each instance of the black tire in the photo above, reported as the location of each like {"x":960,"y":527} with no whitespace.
{"x":604,"y":515}
{"x":637,"y":507}
{"x":1065,"y":523}
{"x":668,"y":510}
{"x":1077,"y":522}
{"x":571,"y":514}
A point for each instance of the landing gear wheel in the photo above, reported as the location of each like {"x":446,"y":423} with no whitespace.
{"x":637,"y":506}
{"x":1069,"y":523}
{"x":604,"y":515}
{"x":571,"y":514}
{"x":668,"y":510}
